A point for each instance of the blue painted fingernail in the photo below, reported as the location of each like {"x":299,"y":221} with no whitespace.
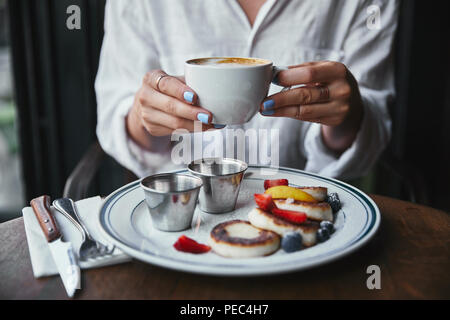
{"x":268,"y":112}
{"x":203,"y":117}
{"x":220,"y":126}
{"x":269,"y":104}
{"x":188,"y":96}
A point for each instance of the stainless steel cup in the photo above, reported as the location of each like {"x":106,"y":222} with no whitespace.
{"x":222,"y":179}
{"x":171,"y":199}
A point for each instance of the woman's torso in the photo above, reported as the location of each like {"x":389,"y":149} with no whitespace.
{"x":286,"y":32}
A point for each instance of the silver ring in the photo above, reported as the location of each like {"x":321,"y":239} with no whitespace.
{"x":297,"y":114}
{"x":159,"y":79}
{"x":324,"y":93}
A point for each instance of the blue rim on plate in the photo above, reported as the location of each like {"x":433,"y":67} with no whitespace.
{"x":367,"y":231}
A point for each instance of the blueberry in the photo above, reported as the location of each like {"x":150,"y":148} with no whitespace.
{"x":327,"y":225}
{"x":322,"y":235}
{"x":291,"y":242}
{"x":335,"y":203}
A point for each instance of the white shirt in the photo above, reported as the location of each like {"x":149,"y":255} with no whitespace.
{"x":142,"y":35}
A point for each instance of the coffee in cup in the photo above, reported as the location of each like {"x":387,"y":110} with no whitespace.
{"x":229,"y":62}
{"x":231,"y":88}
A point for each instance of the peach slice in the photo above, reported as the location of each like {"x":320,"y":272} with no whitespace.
{"x":286,"y":192}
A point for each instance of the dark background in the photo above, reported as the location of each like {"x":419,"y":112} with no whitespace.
{"x":54,"y":71}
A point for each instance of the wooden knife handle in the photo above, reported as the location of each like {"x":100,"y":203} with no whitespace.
{"x":41,"y":208}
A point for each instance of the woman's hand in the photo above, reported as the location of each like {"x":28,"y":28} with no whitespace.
{"x":330,"y":96}
{"x":163,"y":104}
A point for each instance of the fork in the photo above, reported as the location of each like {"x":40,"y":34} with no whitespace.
{"x":90,"y":249}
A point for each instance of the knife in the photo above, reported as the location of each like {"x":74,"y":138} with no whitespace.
{"x":62,"y":252}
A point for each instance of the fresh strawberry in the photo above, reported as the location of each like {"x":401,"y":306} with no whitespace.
{"x":291,"y":216}
{"x":264,"y":201}
{"x":273,"y":183}
{"x":186,"y":244}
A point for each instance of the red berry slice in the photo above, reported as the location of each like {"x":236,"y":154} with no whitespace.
{"x":186,"y":244}
{"x":264,"y":201}
{"x":273,"y":183}
{"x":291,"y":216}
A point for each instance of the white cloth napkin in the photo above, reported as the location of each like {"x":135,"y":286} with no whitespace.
{"x":41,"y":258}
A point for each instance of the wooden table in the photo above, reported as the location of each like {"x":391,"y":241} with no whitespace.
{"x":412,"y":249}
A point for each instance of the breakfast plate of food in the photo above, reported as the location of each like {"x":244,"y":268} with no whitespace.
{"x":284,"y":220}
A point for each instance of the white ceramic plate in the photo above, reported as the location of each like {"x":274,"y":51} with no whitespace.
{"x":125,"y":221}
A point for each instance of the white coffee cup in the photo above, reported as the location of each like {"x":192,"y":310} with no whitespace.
{"x":231,"y":88}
